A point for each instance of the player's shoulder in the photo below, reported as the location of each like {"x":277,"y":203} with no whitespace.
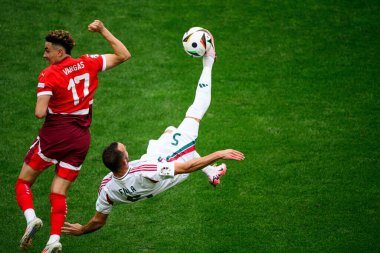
{"x":108,"y":176}
{"x":143,"y":161}
{"x":142,"y":166}
{"x":90,"y":56}
{"x":47,"y":72}
{"x":106,"y":180}
{"x":134,"y":163}
{"x":95,"y":61}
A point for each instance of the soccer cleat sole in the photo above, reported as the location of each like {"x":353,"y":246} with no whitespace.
{"x":26,"y":240}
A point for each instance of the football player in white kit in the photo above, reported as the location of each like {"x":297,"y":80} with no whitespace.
{"x":167,"y":162}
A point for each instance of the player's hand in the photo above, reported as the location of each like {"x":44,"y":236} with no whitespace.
{"x":96,"y":26}
{"x":72,"y":229}
{"x":231,"y":154}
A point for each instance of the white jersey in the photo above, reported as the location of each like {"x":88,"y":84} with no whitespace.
{"x":154,"y":172}
{"x":143,"y":180}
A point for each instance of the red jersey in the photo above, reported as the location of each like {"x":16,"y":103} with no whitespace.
{"x":71,"y":84}
{"x":64,"y":138}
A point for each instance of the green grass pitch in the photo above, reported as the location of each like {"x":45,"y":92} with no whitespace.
{"x":296,"y":87}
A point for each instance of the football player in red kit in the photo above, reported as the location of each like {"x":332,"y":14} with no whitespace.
{"x":64,"y":98}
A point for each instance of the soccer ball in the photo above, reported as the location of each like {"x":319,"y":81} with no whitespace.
{"x":196,"y":41}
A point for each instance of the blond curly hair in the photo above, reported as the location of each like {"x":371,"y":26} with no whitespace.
{"x":62,"y":38}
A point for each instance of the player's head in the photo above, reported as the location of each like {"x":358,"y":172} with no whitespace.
{"x":58,"y":44}
{"x":115,"y":156}
{"x":61,"y":38}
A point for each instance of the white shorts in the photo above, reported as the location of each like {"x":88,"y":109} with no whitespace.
{"x":179,"y":145}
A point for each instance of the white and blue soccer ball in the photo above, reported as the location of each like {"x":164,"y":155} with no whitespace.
{"x":196,"y":41}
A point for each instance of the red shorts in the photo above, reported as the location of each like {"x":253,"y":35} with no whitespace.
{"x":66,"y":147}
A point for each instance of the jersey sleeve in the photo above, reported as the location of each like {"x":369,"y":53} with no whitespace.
{"x":161,"y":172}
{"x":98,"y":61}
{"x":103,"y":203}
{"x":44,"y":87}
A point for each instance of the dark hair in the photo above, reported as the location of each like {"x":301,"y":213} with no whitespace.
{"x":62,"y":38}
{"x":113,"y":157}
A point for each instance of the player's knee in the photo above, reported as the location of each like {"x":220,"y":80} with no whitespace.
{"x":21,"y":183}
{"x":169,"y":129}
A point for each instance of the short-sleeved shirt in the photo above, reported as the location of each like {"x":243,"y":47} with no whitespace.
{"x":71,"y":84}
{"x":65,"y":136}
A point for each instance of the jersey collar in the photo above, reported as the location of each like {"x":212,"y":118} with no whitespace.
{"x":121,"y":178}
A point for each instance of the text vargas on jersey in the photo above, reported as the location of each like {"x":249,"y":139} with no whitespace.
{"x":73,"y":68}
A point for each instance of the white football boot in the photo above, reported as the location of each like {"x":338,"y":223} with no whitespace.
{"x":54,"y":247}
{"x":31,"y":229}
{"x":211,"y":51}
{"x":214,"y":177}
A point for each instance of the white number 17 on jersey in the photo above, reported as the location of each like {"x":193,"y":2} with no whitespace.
{"x":77,"y":80}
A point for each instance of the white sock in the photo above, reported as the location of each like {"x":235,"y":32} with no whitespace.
{"x":208,"y":61}
{"x":53,"y":238}
{"x":207,"y":170}
{"x":202,"y":98}
{"x":30,"y":215}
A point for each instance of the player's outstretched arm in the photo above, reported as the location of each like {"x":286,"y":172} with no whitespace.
{"x":201,"y":162}
{"x":120,"y":54}
{"x":94,"y":224}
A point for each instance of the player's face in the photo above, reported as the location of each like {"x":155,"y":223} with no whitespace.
{"x":52,"y":54}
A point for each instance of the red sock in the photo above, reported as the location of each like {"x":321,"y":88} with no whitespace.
{"x":24,"y":194}
{"x":58,"y":212}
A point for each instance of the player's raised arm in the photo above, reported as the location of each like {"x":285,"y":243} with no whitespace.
{"x":120,"y":54}
{"x":95,"y":223}
{"x":201,"y":162}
